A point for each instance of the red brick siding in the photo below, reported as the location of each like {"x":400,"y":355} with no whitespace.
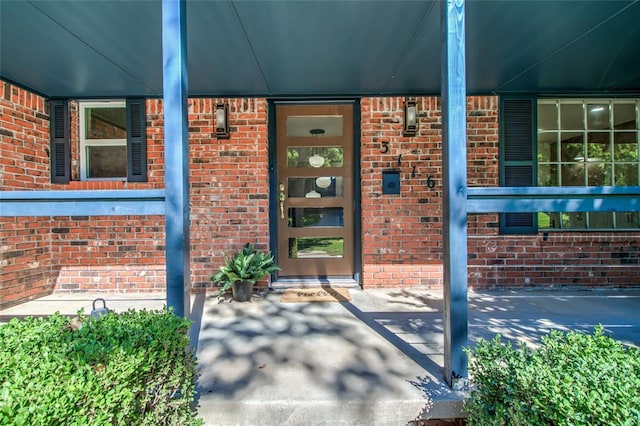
{"x":401,"y":234}
{"x":608,"y":259}
{"x":229,"y":183}
{"x":120,"y":253}
{"x":402,"y":240}
{"x":116,"y":253}
{"x":25,"y":259}
{"x":24,"y":123}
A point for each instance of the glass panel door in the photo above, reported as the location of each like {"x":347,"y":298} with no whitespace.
{"x":315,"y":190}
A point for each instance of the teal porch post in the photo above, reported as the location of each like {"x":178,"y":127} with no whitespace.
{"x":454,"y":146}
{"x":176,"y":155}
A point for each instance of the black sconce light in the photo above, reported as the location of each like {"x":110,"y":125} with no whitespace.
{"x":410,"y":117}
{"x":222,"y":121}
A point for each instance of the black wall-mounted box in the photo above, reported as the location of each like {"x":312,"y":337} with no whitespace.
{"x":390,"y":182}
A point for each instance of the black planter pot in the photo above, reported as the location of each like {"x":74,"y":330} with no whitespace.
{"x":242,"y":291}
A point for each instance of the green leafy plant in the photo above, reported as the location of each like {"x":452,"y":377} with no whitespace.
{"x":572,"y":379}
{"x":247,"y":264}
{"x":132,"y":368}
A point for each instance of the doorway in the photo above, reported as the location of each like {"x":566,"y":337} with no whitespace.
{"x":314,"y":184}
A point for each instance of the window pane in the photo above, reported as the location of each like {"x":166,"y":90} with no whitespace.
{"x":314,"y":125}
{"x":548,"y":175}
{"x":598,"y":174}
{"x":624,"y":117}
{"x":628,"y":220}
{"x":626,"y":174}
{"x":571,"y":117}
{"x":547,"y":116}
{"x":315,"y":187}
{"x":299,"y":156}
{"x":598,"y":146}
{"x":105,"y":123}
{"x":600,"y":220}
{"x":608,"y":156}
{"x":547,"y":147}
{"x":549,"y":220}
{"x":107,"y":161}
{"x":625,"y":147}
{"x":572,"y":174}
{"x":572,"y":146}
{"x":316,"y":217}
{"x":309,"y":247}
{"x":598,"y":117}
{"x":574,"y":220}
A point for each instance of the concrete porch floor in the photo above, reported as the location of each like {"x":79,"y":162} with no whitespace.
{"x":376,"y":360}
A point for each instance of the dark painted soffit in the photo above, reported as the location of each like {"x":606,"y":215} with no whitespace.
{"x":84,"y":49}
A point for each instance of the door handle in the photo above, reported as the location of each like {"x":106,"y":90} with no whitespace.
{"x":282,"y":197}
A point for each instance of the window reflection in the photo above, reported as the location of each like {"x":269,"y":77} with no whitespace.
{"x":300,"y":156}
{"x":315,"y":187}
{"x":310,"y":247}
{"x":316,"y":217}
{"x":588,"y":143}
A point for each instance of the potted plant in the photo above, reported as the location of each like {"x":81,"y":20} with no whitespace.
{"x":242,"y":270}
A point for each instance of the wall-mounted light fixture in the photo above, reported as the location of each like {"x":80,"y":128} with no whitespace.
{"x":410,"y":117}
{"x":222,"y":121}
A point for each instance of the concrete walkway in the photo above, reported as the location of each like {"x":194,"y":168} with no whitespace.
{"x":376,"y":360}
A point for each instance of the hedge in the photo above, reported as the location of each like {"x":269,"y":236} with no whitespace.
{"x":132,"y":368}
{"x":571,"y":379}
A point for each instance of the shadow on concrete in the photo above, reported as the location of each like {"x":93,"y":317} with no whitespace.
{"x":292,"y":361}
{"x":373,"y":360}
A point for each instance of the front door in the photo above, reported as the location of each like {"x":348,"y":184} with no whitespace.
{"x":315,"y":212}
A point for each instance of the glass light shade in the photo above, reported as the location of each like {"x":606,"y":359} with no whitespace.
{"x":316,"y":160}
{"x":411,"y":116}
{"x":323,"y":182}
{"x":312,"y":194}
{"x":220,"y":124}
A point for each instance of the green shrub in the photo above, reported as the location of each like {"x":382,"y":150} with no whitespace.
{"x":132,"y":368}
{"x":572,"y":379}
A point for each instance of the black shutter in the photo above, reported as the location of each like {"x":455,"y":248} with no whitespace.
{"x":60,"y":148}
{"x":518,"y":158}
{"x":136,"y":140}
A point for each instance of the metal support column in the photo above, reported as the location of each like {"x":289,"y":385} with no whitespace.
{"x":454,"y":146}
{"x":176,"y":154}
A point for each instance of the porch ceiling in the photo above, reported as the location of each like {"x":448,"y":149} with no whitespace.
{"x":84,"y":49}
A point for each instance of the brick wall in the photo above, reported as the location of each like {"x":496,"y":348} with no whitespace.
{"x":38,"y":254}
{"x":401,"y":234}
{"x":606,"y":259}
{"x":25,"y":259}
{"x":229,"y":184}
{"x":114,"y":253}
{"x":402,"y":238}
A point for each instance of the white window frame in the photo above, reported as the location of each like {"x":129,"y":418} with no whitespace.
{"x":85,"y":143}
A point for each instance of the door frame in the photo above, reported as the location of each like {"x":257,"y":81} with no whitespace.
{"x":273,"y":184}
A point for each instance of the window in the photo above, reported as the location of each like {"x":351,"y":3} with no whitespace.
{"x":103,"y":140}
{"x":588,"y":142}
{"x":112,"y":137}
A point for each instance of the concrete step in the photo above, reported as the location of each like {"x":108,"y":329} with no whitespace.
{"x":272,"y":363}
{"x":287,"y":412}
